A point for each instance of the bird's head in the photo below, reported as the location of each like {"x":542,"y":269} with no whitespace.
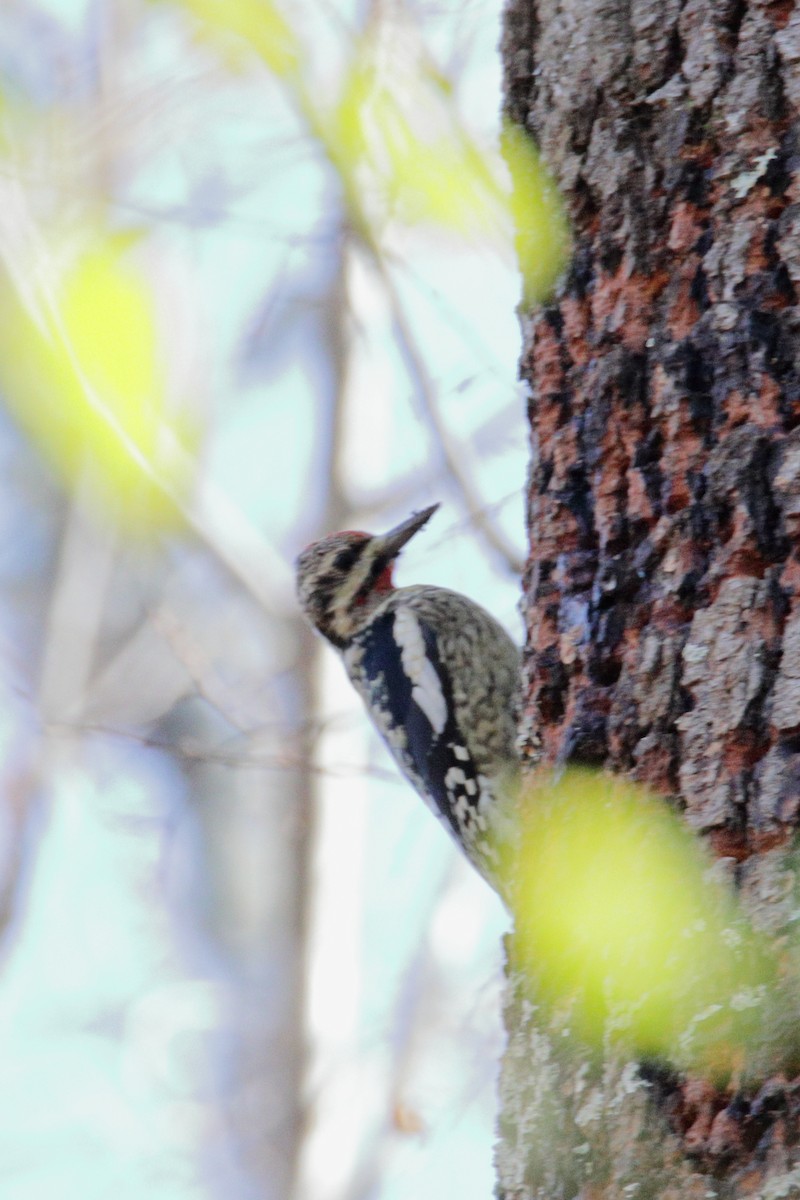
{"x":345,"y":576}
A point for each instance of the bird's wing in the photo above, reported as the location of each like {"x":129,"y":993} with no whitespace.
{"x":408,"y":692}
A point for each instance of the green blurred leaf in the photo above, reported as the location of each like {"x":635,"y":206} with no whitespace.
{"x":619,"y":918}
{"x":407,"y":136}
{"x":233,"y":26}
{"x":540,"y":221}
{"x":400,"y":141}
{"x":84,"y":380}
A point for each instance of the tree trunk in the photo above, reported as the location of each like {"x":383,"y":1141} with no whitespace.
{"x":663,"y":588}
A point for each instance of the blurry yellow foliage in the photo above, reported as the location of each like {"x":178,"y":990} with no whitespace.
{"x":538,"y":215}
{"x":258,"y":24}
{"x":427,"y":167}
{"x":81,"y":373}
{"x":397,"y":140}
{"x":618,"y":919}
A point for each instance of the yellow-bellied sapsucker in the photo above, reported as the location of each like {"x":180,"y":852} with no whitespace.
{"x":438,"y":675}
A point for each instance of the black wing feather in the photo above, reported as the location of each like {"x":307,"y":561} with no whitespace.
{"x":430,"y":755}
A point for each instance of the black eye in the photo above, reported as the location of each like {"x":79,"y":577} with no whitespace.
{"x":346,"y":559}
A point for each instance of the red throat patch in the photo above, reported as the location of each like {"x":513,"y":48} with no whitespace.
{"x":384,"y":583}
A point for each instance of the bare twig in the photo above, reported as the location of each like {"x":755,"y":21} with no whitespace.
{"x":452,"y":454}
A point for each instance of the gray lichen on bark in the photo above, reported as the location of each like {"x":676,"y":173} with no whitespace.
{"x":570,"y":1126}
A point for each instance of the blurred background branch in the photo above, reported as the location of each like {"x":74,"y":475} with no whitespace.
{"x":258,"y":283}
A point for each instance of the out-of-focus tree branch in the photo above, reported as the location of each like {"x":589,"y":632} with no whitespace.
{"x":455,"y":456}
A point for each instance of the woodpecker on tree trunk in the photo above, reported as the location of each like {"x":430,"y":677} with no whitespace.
{"x":439,"y":678}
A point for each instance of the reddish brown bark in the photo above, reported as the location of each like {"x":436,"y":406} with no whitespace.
{"x":663,"y":585}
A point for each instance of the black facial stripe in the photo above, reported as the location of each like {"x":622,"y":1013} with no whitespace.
{"x":373,"y":575}
{"x":326,"y":585}
{"x":346,"y":559}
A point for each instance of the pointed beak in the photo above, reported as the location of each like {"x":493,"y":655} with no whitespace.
{"x":392,"y":543}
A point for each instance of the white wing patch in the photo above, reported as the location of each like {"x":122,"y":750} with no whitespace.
{"x":426,"y":690}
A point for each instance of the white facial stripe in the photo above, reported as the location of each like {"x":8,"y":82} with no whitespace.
{"x":426,"y":689}
{"x":348,"y":588}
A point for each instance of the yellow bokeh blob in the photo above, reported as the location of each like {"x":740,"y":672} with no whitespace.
{"x":421,"y":160}
{"x":619,"y":917}
{"x":402,"y":138}
{"x":81,"y":372}
{"x":542,"y":230}
{"x":398,"y":144}
{"x":250,"y":25}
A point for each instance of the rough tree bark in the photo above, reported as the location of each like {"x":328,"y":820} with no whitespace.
{"x":663,"y":587}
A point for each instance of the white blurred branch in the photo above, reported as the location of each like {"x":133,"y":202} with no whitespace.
{"x":76,"y":608}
